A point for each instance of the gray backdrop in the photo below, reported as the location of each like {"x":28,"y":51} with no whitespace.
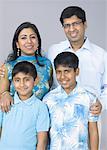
{"x":45,"y":14}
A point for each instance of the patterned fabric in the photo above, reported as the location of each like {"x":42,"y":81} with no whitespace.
{"x":92,"y":64}
{"x":44,"y":74}
{"x":21,"y":124}
{"x":69,"y":116}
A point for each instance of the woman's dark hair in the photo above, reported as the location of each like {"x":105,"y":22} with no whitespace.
{"x":73,"y":11}
{"x":24,"y":25}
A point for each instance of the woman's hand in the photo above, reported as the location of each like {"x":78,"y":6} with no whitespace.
{"x":2,"y":71}
{"x":96,"y":108}
{"x":6,"y":101}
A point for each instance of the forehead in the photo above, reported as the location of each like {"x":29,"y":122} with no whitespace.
{"x":71,"y":19}
{"x":63,"y":67}
{"x":27,"y":31}
{"x":22,"y":75}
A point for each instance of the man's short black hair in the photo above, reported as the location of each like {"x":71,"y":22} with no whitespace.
{"x":73,"y":11}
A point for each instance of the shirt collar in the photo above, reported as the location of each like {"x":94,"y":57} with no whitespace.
{"x":73,"y":92}
{"x":29,"y":101}
{"x":86,"y":45}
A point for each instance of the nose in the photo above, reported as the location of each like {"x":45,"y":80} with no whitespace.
{"x":29,"y":40}
{"x":62,"y":75}
{"x":71,"y":27}
{"x":21,"y":83}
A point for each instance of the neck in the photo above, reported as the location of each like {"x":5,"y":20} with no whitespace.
{"x":69,"y":90}
{"x":25,"y":97}
{"x":76,"y":45}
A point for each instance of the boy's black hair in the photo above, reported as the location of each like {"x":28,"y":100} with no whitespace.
{"x":73,"y":11}
{"x":26,"y":68}
{"x":66,"y":59}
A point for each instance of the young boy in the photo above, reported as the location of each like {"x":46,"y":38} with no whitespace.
{"x":25,"y":126}
{"x":69,"y":109}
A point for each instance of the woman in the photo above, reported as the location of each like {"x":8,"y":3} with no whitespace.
{"x":26,"y":46}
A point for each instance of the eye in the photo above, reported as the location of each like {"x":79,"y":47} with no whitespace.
{"x":23,"y":37}
{"x":66,"y":25}
{"x":33,"y":37}
{"x":16,"y":80}
{"x":58,"y":72}
{"x":66,"y":71}
{"x":27,"y":79}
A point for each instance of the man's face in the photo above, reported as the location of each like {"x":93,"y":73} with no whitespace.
{"x":74,"y":29}
{"x":66,"y":77}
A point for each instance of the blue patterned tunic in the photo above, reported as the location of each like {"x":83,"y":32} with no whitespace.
{"x":44,"y":74}
{"x":69,"y":116}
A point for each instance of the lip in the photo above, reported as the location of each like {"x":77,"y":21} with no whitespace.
{"x":29,"y":47}
{"x":23,"y":89}
{"x":63,"y":82}
{"x":73,"y":34}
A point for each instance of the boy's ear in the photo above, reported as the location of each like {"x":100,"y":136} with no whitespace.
{"x":36,"y":80}
{"x":77,"y":71}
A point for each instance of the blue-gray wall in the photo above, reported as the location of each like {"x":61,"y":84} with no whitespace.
{"x":45,"y":14}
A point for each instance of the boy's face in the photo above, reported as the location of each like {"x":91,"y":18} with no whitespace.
{"x":66,"y":77}
{"x":23,"y":84}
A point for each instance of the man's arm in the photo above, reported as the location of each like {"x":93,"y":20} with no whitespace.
{"x":5,"y":98}
{"x":42,"y":140}
{"x":101,"y":104}
{"x":93,"y":136}
{"x":96,"y":108}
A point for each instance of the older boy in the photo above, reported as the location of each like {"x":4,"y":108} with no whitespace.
{"x":25,"y":126}
{"x":69,"y":109}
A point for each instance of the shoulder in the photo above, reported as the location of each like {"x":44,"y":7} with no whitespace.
{"x":97,"y":49}
{"x":55,"y":49}
{"x":83,"y":95}
{"x":81,"y":91}
{"x":9,"y":65}
{"x":44,"y":60}
{"x":99,"y":53}
{"x":96,"y":53}
{"x":51,"y":95}
{"x":39,"y":105}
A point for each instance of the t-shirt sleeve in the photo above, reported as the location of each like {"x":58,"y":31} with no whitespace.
{"x":43,"y":121}
{"x":1,"y":118}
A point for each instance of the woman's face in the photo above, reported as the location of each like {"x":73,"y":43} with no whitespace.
{"x":27,"y":42}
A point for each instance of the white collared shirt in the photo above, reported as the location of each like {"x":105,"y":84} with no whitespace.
{"x":92,"y":64}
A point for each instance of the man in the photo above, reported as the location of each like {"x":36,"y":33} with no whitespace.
{"x":92,"y":58}
{"x":93,"y":63}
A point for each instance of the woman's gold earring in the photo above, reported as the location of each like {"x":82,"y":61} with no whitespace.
{"x":18,"y":52}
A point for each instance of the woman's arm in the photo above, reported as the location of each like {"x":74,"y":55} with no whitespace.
{"x":5,"y":98}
